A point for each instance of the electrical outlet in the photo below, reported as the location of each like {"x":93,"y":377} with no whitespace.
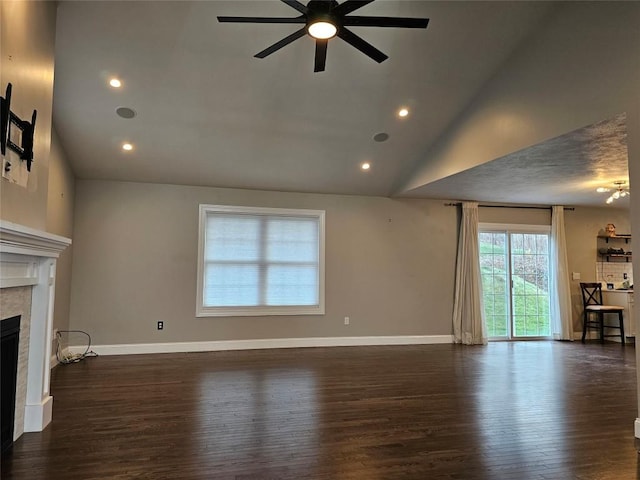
{"x":160,"y":325}
{"x":346,"y":320}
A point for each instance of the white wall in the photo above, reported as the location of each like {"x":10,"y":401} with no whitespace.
{"x":389,"y":265}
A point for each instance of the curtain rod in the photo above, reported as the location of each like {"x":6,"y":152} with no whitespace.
{"x":456,"y":204}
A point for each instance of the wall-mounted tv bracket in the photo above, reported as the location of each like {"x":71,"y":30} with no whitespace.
{"x":15,"y":133}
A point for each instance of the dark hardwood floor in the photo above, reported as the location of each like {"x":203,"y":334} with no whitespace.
{"x":526,"y":410}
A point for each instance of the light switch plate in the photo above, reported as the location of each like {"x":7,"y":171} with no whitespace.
{"x":575,"y":275}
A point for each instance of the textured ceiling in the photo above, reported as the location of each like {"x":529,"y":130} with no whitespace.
{"x":565,"y":170}
{"x":208,"y":113}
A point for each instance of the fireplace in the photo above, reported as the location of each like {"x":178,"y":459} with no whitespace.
{"x":9,"y":338}
{"x":27,"y":288}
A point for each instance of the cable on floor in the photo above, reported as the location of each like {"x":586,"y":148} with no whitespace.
{"x":69,"y":358}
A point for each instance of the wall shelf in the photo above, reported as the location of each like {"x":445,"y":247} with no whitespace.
{"x":614,"y":254}
{"x":626,"y":256}
{"x":624,"y":237}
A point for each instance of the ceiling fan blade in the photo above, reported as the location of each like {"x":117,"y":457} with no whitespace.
{"x":297,"y":5}
{"x":282,"y":43}
{"x":261,"y":20}
{"x":397,"y":22}
{"x":350,"y":6}
{"x":365,"y":47}
{"x":321,"y":55}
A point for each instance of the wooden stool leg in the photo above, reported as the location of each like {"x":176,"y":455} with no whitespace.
{"x":601,"y":322}
{"x":621,"y":320}
{"x":584,"y":325}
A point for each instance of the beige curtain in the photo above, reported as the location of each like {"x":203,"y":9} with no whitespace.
{"x":559,"y":283}
{"x":468,"y":315}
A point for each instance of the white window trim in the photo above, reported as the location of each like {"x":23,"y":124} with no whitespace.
{"x":202,"y":311}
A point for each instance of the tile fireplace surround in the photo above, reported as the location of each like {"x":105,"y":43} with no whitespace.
{"x":27,"y":287}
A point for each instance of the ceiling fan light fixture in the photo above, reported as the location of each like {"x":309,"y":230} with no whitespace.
{"x":325,"y":19}
{"x":322,"y":29}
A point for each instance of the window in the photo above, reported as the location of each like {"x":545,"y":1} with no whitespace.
{"x":260,"y":261}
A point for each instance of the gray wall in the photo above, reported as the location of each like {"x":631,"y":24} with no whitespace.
{"x":60,"y":205}
{"x":27,"y":52}
{"x":517,"y":216}
{"x":582,"y":227}
{"x":28,"y":34}
{"x":581,"y":67}
{"x":389,"y":265}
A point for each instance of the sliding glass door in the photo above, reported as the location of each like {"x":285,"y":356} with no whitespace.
{"x":515,"y":282}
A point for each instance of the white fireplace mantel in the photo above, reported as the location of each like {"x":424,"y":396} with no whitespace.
{"x":28,"y":258}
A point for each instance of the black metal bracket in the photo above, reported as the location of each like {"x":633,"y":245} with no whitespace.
{"x":15,"y":133}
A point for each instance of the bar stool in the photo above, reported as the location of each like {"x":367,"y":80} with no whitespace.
{"x":592,"y":303}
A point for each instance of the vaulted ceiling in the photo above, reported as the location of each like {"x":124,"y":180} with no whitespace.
{"x":209,"y":113}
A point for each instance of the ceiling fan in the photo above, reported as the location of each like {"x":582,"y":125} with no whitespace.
{"x":325,"y":19}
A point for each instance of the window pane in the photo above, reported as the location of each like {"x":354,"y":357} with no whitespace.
{"x":292,"y":285}
{"x":292,"y":240}
{"x":231,"y":285}
{"x":232,"y":238}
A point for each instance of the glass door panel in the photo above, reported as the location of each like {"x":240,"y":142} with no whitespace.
{"x":530,"y":292}
{"x":494,"y":267}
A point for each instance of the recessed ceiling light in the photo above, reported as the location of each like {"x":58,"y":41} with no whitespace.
{"x":127,"y":147}
{"x":403,"y":112}
{"x":115,"y":83}
{"x":365,"y":166}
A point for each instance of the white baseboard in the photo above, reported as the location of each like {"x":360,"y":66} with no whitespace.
{"x":212,"y":346}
